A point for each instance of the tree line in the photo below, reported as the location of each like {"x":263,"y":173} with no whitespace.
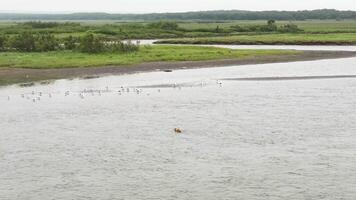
{"x":323,"y":14}
{"x":45,"y":42}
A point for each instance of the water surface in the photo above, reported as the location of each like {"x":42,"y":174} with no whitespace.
{"x":257,"y":139}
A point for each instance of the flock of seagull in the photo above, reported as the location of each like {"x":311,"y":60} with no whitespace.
{"x":36,"y":96}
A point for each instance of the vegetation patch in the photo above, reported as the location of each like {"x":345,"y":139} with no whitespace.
{"x":69,"y":59}
{"x":272,"y":39}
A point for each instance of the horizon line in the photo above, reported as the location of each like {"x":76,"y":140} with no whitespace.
{"x":163,"y":12}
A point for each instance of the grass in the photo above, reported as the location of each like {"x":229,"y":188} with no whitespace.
{"x":67,"y":59}
{"x":309,"y":26}
{"x":270,"y":39}
{"x":140,"y":30}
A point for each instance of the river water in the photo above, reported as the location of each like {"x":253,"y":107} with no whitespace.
{"x":280,"y":137}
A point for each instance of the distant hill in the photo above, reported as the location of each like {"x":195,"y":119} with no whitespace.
{"x":203,"y":15}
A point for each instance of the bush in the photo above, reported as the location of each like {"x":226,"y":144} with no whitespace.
{"x":46,"y":42}
{"x":270,"y":27}
{"x":164,"y":25}
{"x":106,"y":32}
{"x":2,"y":42}
{"x":122,"y":47}
{"x":91,"y":44}
{"x":39,"y":24}
{"x":23,"y":42}
{"x":289,"y":28}
{"x":70,"y":43}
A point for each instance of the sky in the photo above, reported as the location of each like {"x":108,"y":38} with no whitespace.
{"x":149,"y":6}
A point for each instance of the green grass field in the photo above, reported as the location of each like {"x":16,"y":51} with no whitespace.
{"x":272,"y":39}
{"x":139,"y":30}
{"x":309,"y":26}
{"x":66,"y":59}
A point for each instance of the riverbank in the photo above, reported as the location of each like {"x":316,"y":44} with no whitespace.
{"x":11,"y":75}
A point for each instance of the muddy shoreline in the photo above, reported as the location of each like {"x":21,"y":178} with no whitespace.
{"x":19,"y":75}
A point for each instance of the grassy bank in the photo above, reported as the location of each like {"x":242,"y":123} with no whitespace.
{"x":28,"y":67}
{"x":148,"y":30}
{"x":272,"y":39}
{"x":68,"y":59}
{"x":309,"y":26}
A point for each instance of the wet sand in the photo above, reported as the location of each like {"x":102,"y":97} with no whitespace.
{"x":20,"y":75}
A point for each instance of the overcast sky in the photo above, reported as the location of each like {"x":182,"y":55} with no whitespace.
{"x":146,"y":6}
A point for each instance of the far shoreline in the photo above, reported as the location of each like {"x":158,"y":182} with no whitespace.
{"x":21,"y":75}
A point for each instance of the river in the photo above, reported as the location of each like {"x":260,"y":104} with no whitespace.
{"x":288,"y":136}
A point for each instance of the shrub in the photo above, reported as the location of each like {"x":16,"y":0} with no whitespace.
{"x":106,"y":32}
{"x":39,"y":24}
{"x":46,"y":42}
{"x":122,"y":47}
{"x":270,"y":27}
{"x":289,"y":28}
{"x":2,"y":42}
{"x":70,"y":43}
{"x":164,"y":25}
{"x":23,"y":42}
{"x":91,"y":44}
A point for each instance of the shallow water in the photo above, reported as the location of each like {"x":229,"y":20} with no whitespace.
{"x":293,"y":47}
{"x":290,"y":47}
{"x":256,"y":139}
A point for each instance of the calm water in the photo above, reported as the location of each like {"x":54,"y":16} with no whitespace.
{"x":242,"y":139}
{"x":291,"y":47}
